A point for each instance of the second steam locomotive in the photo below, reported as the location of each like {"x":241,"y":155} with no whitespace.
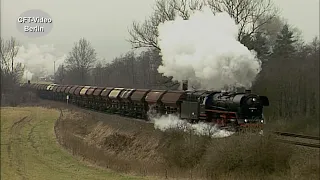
{"x":230,"y":110}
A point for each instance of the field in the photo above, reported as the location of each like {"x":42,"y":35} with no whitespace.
{"x":29,"y":149}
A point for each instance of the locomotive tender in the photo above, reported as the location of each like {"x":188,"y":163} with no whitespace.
{"x":230,"y":110}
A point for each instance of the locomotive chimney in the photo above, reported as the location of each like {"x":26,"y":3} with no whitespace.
{"x":185,"y":85}
{"x":28,"y":81}
{"x":247,"y":91}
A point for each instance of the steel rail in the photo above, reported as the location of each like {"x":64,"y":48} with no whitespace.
{"x":296,"y":135}
{"x":299,"y":143}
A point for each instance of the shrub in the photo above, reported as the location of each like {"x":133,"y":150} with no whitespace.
{"x":183,"y":149}
{"x":242,"y":154}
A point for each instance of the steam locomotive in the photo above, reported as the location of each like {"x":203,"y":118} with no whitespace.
{"x":228,"y":110}
{"x":231,"y":110}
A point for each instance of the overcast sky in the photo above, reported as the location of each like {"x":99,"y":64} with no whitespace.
{"x":105,"y":22}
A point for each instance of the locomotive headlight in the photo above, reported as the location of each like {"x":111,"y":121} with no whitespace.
{"x":245,"y":120}
{"x":262,"y":121}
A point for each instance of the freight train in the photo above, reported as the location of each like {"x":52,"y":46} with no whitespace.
{"x":228,"y":110}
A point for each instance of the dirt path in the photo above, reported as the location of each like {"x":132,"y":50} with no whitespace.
{"x":29,"y":149}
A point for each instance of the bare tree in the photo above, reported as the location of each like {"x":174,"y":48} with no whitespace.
{"x":129,"y":68}
{"x":9,"y":50}
{"x":249,"y":14}
{"x":11,"y":72}
{"x":60,"y":75}
{"x":81,"y":59}
{"x":157,"y":79}
{"x":97,"y":74}
{"x":145,"y":34}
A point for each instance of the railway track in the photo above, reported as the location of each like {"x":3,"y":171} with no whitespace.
{"x":298,"y":139}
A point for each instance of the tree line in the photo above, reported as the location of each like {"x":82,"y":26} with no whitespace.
{"x":11,"y":71}
{"x":290,"y":66}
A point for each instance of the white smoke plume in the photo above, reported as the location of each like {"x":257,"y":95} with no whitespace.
{"x":205,"y":51}
{"x":166,"y":122}
{"x":39,"y":60}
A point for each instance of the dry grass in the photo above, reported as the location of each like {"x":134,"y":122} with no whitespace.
{"x":107,"y":147}
{"x":301,"y":125}
{"x":29,"y":149}
{"x":177,"y":154}
{"x":243,"y":155}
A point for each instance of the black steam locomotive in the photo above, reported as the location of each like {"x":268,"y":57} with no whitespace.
{"x":225,"y":109}
{"x":229,"y":110}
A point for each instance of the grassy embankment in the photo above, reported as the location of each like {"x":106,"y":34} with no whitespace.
{"x":107,"y":138}
{"x":29,"y":149}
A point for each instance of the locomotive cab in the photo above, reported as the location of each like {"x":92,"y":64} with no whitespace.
{"x":191,"y":108}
